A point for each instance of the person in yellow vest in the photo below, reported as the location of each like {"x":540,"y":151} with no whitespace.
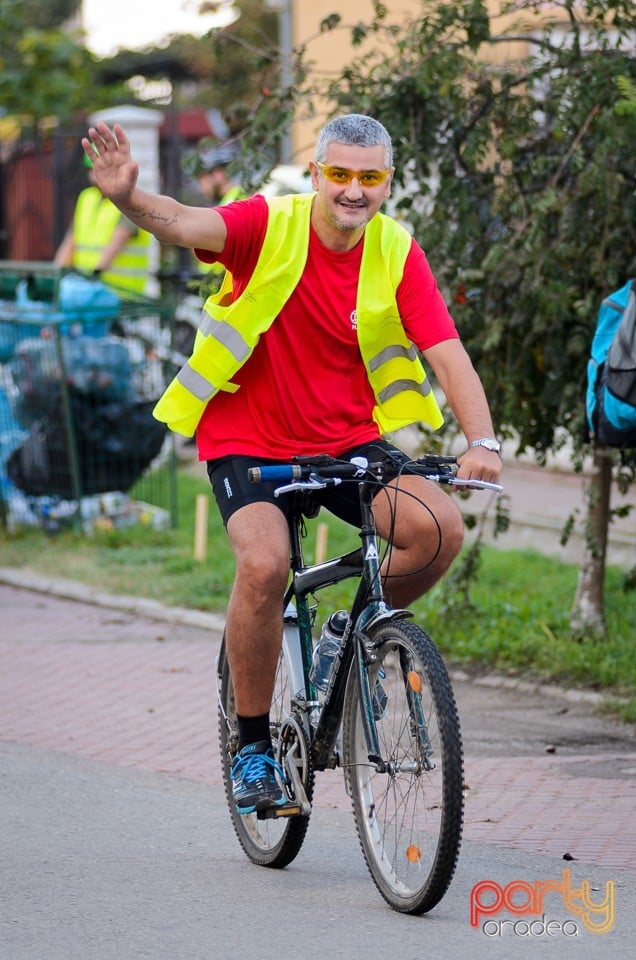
{"x":311,"y":346}
{"x":102,"y":242}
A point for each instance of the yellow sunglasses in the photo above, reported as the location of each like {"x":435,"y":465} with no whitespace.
{"x":343,"y":176}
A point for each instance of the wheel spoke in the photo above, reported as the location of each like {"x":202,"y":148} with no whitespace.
{"x":408,"y":815}
{"x":272,"y":842}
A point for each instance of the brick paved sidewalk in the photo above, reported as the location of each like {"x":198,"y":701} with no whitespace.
{"x":125,"y":689}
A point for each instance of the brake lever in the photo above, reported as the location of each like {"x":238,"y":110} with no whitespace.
{"x":470,"y":484}
{"x":307,"y":485}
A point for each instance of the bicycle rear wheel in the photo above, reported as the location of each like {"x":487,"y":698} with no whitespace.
{"x":267,"y":842}
{"x":408,"y":817}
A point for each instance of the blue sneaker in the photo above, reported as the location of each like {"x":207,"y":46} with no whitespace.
{"x":255,"y":778}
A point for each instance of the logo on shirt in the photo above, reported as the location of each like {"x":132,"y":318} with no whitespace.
{"x":353,"y":316}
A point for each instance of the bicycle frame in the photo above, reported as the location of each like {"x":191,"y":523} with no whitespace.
{"x":369,"y":606}
{"x":388,"y":715}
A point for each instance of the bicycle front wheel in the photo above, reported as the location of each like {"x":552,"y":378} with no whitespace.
{"x":408,"y":809}
{"x":267,"y":842}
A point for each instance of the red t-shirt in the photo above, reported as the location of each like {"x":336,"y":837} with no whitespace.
{"x":304,"y":390}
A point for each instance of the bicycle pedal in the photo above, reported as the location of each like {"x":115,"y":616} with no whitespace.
{"x":286,"y":810}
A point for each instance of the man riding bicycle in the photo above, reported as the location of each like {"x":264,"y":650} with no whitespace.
{"x":311,"y":346}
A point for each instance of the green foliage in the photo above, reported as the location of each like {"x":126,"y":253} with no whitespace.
{"x":518,"y":179}
{"x":262,"y":101}
{"x":627,"y":104}
{"x":232,"y":70}
{"x":49,"y":13}
{"x":44,"y":72}
{"x":330,"y":22}
{"x":234,"y":65}
{"x":455,"y":592}
{"x":518,"y":621}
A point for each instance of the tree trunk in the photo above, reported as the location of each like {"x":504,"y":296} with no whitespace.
{"x":588,"y":612}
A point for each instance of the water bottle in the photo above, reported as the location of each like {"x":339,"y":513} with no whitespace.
{"x":327,"y":648}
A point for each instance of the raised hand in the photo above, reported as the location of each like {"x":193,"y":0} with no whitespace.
{"x":116,"y":172}
{"x":116,"y":175}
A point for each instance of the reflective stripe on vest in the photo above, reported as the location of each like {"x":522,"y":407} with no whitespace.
{"x":225,"y":334}
{"x":230,"y":331}
{"x":403,"y":394}
{"x":94,"y":223}
{"x":216,"y":356}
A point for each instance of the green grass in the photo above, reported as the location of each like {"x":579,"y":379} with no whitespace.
{"x":516,"y":619}
{"x":136,"y":560}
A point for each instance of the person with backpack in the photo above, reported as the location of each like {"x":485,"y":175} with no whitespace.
{"x":610,"y":400}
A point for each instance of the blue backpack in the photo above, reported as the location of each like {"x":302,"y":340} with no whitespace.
{"x":611,"y":371}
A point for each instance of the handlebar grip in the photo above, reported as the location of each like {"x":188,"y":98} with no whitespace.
{"x":278,"y":473}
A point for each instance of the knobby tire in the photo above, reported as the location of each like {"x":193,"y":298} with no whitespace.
{"x":267,"y":843}
{"x":409,"y":818}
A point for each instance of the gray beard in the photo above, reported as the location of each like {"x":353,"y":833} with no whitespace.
{"x":347,"y":227}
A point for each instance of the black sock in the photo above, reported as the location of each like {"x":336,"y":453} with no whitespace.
{"x":253,"y":729}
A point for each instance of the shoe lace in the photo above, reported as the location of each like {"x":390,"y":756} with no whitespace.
{"x":257,"y":766}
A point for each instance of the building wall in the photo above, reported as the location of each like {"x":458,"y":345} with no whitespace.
{"x":331,"y":50}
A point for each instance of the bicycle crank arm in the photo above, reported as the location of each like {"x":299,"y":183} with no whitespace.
{"x":298,"y":788}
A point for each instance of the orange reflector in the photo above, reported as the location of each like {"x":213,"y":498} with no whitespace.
{"x":413,"y":854}
{"x":415,"y":681}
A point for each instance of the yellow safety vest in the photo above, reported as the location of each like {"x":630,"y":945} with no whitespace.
{"x":234,"y":193}
{"x":94,"y":222}
{"x":230,"y":331}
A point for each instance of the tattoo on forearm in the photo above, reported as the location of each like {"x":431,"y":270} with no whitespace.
{"x":142,"y":214}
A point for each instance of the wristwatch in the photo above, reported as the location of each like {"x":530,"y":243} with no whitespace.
{"x":488,"y":442}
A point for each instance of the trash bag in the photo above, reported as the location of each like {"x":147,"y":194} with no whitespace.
{"x":88,"y":301}
{"x":77,"y":300}
{"x":116,"y":442}
{"x":76,"y":305}
{"x":96,"y":366}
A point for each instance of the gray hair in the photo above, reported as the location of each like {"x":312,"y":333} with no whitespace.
{"x":354,"y":129}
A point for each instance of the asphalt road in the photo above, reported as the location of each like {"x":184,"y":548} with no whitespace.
{"x":116,"y":844}
{"x":106,"y":863}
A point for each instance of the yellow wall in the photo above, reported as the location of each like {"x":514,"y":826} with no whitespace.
{"x":330,"y":51}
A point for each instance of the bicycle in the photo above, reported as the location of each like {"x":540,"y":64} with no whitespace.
{"x":388,"y":715}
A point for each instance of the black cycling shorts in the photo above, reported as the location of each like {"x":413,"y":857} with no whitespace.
{"x":233,"y":490}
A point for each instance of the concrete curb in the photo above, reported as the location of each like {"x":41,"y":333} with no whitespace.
{"x":72,"y":590}
{"x":499,"y":682}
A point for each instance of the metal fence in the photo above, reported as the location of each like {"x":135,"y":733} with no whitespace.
{"x":80,"y":371}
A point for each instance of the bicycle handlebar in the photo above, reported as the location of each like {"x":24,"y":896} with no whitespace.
{"x":309,"y":472}
{"x":287,"y":472}
{"x":277,"y":474}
